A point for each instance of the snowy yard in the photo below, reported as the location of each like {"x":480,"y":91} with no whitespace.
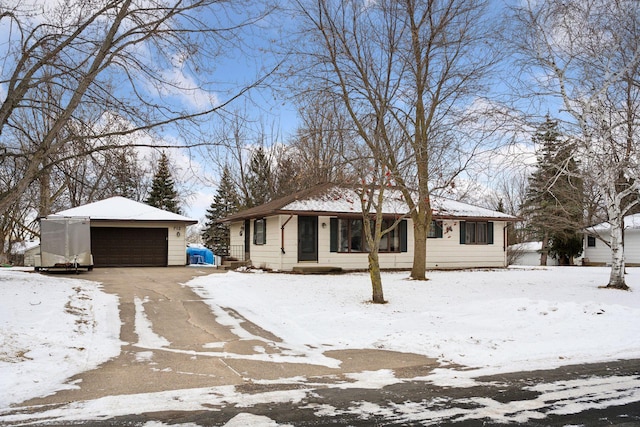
{"x":51,"y":328}
{"x":496,"y":321}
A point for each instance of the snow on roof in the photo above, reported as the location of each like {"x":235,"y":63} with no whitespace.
{"x":527,"y":246}
{"x":444,"y":207}
{"x":630,"y":221}
{"x":19,"y":248}
{"x":338,"y":199}
{"x":123,"y":209}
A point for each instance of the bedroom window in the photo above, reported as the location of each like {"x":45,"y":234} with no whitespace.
{"x":476,"y":233}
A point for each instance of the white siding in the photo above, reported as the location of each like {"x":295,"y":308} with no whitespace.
{"x":236,"y":241}
{"x":601,"y":253}
{"x":533,"y":258}
{"x":177,"y":254}
{"x":281,"y":250}
{"x":268,"y":255}
{"x":632,"y":246}
{"x":447,"y":252}
{"x":30,"y":256}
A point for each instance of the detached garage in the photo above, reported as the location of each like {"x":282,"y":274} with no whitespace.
{"x":127,"y":233}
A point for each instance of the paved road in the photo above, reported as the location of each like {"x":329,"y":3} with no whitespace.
{"x":506,"y":399}
{"x":202,"y":358}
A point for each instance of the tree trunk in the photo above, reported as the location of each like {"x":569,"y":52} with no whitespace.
{"x":376,"y":279}
{"x":544,"y":250}
{"x":616,"y":278}
{"x":418,"y":271}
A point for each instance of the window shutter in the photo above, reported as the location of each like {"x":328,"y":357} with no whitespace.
{"x":490,"y":233}
{"x":439,"y":229}
{"x":255,"y":235}
{"x":402,"y":230}
{"x":264,"y":231}
{"x":463,"y":232}
{"x":333,"y":234}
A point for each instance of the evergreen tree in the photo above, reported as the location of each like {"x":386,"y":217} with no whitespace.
{"x":259,"y":180}
{"x":226,"y":202}
{"x":553,"y":204}
{"x":565,"y":235}
{"x":127,"y":174}
{"x":163,"y":194}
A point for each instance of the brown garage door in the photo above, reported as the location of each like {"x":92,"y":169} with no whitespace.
{"x":131,"y":247}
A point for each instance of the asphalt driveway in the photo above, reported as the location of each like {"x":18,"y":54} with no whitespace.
{"x":190,"y":360}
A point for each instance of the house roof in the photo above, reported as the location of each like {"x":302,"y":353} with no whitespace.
{"x":19,"y":248}
{"x":527,"y":246}
{"x":123,"y":209}
{"x":335,"y":200}
{"x":630,"y":222}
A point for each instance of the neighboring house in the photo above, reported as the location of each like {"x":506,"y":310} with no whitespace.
{"x":528,"y":253}
{"x":322,"y":227}
{"x":128,"y":233}
{"x":23,"y":253}
{"x":597,"y":251}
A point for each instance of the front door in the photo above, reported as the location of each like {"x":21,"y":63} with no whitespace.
{"x":307,"y":238}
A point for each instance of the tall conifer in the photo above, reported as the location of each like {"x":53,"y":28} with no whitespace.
{"x":259,"y":181}
{"x":163,"y":194}
{"x":553,"y":204}
{"x":226,"y":202}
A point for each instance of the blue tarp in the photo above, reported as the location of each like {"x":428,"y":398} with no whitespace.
{"x":199,"y":255}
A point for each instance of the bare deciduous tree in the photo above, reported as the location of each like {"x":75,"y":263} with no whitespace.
{"x":413,"y":67}
{"x":321,"y":141}
{"x":146,"y":65}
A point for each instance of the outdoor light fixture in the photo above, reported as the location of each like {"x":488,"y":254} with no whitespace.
{"x":324,"y":225}
{"x":241,"y":229}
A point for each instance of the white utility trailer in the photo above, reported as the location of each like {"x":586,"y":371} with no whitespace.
{"x":65,"y":244}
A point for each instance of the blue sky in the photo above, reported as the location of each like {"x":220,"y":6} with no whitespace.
{"x":234,"y":68}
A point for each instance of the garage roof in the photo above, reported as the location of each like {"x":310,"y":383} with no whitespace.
{"x":123,"y":209}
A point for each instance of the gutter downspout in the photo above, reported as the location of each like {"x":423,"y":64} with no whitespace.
{"x":282,"y":234}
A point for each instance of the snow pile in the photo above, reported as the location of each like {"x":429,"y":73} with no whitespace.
{"x":51,"y":328}
{"x":504,"y":320}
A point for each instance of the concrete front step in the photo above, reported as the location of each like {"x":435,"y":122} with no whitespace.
{"x":316,"y":269}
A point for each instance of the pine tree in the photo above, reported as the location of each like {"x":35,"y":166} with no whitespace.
{"x":126,"y":175}
{"x":163,"y":194}
{"x":259,"y":180}
{"x":226,"y":202}
{"x":565,"y":235}
{"x":553,"y":204}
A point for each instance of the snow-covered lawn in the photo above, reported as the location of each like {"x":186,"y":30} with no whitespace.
{"x":51,"y":328}
{"x":499,"y":320}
